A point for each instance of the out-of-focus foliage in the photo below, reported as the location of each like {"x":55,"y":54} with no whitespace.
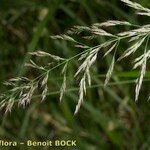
{"x":109,"y":118}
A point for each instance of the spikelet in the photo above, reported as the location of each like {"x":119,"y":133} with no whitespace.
{"x":140,"y":79}
{"x":111,"y":23}
{"x":44,"y":54}
{"x":63,"y":37}
{"x":82,"y":91}
{"x":63,"y":87}
{"x":110,"y":71}
{"x":136,"y":5}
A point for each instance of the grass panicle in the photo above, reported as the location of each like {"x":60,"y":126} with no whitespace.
{"x":22,"y":89}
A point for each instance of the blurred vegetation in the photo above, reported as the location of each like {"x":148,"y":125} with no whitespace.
{"x":109,"y":118}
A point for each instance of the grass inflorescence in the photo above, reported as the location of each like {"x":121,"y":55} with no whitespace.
{"x":22,"y":89}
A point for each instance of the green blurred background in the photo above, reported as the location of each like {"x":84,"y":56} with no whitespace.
{"x":109,"y":118}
